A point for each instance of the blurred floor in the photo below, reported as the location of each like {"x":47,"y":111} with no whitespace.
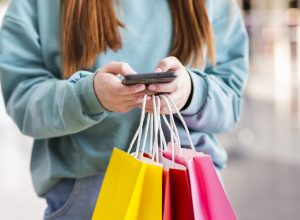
{"x":263,"y":189}
{"x":263,"y":174}
{"x":262,"y":178}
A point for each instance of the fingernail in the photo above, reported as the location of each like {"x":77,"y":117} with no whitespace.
{"x":152,"y":87}
{"x":157,"y":70}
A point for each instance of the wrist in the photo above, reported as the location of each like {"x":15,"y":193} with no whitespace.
{"x":97,"y":90}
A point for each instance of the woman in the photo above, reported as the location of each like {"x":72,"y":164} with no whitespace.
{"x":59,"y":64}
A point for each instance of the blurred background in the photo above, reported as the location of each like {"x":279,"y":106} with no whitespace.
{"x":263,"y":174}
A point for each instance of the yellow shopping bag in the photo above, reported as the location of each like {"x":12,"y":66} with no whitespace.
{"x":131,"y":190}
{"x":151,"y":197}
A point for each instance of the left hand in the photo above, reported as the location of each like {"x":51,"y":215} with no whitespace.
{"x":179,"y":90}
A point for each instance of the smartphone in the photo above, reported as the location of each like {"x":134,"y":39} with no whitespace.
{"x":149,"y":78}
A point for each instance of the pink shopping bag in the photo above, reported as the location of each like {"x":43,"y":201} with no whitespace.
{"x":210,"y":201}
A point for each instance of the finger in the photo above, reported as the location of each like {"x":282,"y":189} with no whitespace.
{"x":168,"y":63}
{"x":164,"y":87}
{"x":127,"y":90}
{"x":147,"y":92}
{"x":164,"y":110}
{"x":147,"y":109}
{"x":140,"y":99}
{"x":118,"y":68}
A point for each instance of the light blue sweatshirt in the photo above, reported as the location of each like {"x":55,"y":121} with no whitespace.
{"x":73,"y":134}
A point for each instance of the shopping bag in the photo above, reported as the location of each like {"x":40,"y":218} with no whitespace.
{"x":151,"y":196}
{"x":131,"y":189}
{"x":120,"y":194}
{"x":167,"y":197}
{"x":177,"y":194}
{"x":132,"y":186}
{"x":210,"y":201}
{"x":182,"y":205}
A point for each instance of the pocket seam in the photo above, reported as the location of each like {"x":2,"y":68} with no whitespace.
{"x":68,"y":204}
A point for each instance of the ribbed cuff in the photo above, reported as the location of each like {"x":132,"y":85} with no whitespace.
{"x":199,"y":96}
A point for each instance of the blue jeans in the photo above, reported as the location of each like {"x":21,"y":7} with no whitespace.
{"x":75,"y":199}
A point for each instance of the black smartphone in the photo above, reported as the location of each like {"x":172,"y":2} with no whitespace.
{"x":149,"y":78}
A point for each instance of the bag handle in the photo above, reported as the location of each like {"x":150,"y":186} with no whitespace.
{"x":149,"y":118}
{"x":154,"y":118}
{"x":138,"y":133}
{"x":177,"y":139}
{"x":171,"y":126}
{"x":156,"y":113}
{"x":168,"y":99}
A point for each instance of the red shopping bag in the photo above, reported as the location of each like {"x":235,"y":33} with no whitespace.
{"x":167,"y":204}
{"x":182,"y":204}
{"x":178,"y":203}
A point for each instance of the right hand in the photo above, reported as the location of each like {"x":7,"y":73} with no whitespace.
{"x":110,"y":91}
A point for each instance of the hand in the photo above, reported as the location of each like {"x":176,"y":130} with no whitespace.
{"x":110,"y":91}
{"x":179,"y":90}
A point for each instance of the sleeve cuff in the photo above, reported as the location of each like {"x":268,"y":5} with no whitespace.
{"x":86,"y":92}
{"x":200,"y":92}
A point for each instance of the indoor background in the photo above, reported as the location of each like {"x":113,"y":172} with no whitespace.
{"x":263,"y":174}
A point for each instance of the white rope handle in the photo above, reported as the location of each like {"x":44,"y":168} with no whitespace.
{"x":154,"y":119}
{"x":158,"y":125}
{"x":139,"y":131}
{"x":151,"y":131}
{"x":173,"y":127}
{"x":154,"y":126}
{"x":169,"y":127}
{"x":156,"y":115}
{"x":162,"y":136}
{"x":183,"y":122}
{"x":146,"y":132}
{"x":172,"y":122}
{"x":160,"y":133}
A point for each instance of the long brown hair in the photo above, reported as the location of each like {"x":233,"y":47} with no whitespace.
{"x":91,"y":27}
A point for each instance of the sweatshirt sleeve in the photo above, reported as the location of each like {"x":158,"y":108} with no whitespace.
{"x":42,"y":105}
{"x":216,"y":101}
